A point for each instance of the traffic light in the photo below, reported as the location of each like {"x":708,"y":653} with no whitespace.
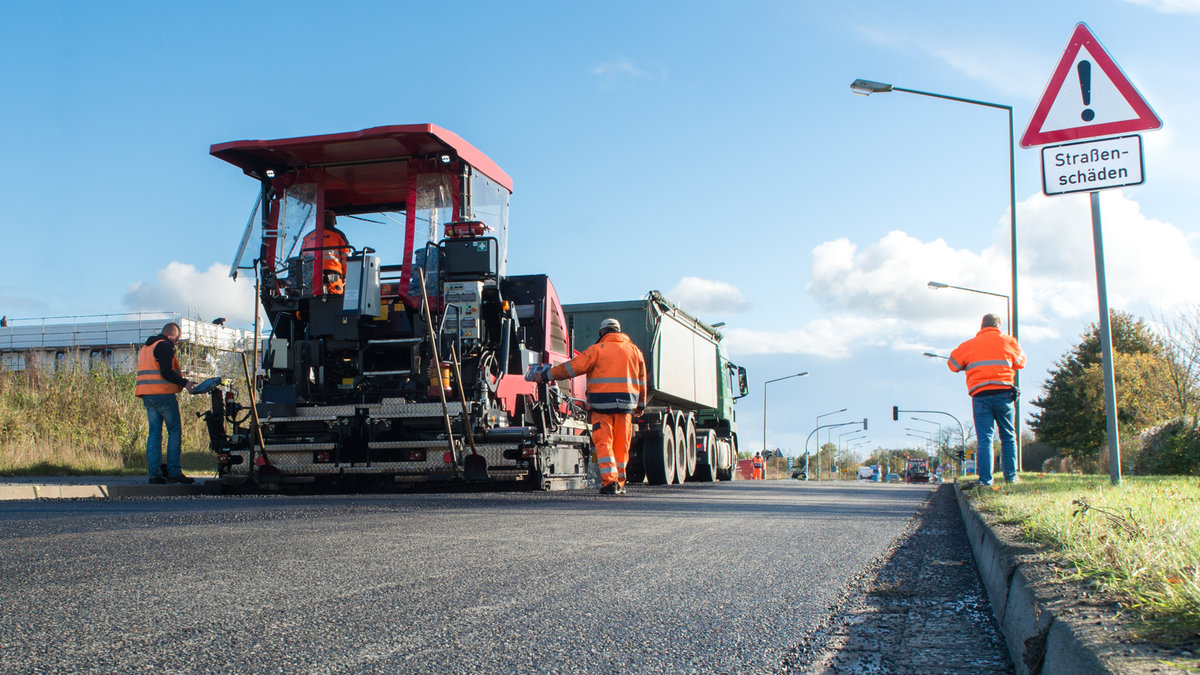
{"x":864,"y":424}
{"x":961,"y":454}
{"x":895,"y":413}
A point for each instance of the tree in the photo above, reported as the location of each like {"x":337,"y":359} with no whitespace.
{"x":1072,"y":416}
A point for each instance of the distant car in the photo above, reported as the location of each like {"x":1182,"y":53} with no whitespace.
{"x":893,"y":478}
{"x":800,"y":475}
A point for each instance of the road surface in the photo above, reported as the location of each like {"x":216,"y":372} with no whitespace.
{"x":694,"y":578}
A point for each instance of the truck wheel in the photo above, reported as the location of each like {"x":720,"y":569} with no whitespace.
{"x":689,"y":443}
{"x":659,"y":451}
{"x":680,"y":450}
{"x":705,"y":471}
{"x":635,"y":469}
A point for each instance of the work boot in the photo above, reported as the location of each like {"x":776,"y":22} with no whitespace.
{"x":610,"y":489}
{"x":157,"y":480}
{"x":621,"y":489}
{"x":180,"y":479}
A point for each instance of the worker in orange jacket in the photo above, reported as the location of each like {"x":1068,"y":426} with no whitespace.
{"x":158,"y":380}
{"x":757,"y":465}
{"x":616,"y":390}
{"x":991,"y":360}
{"x":332,"y":249}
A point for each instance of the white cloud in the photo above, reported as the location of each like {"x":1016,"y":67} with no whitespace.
{"x":611,"y":71}
{"x":182,"y":288}
{"x":878,"y":295}
{"x":698,"y":296}
{"x":1003,"y":66}
{"x":1170,"y":6}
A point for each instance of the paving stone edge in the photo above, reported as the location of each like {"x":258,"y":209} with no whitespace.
{"x":102,"y":491}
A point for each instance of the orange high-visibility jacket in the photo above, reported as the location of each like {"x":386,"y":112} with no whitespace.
{"x":149,"y":378}
{"x":616,"y":374}
{"x":333,"y":256}
{"x":758,"y":463}
{"x":991,"y":360}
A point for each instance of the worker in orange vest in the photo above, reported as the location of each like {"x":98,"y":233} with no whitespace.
{"x":616,"y":390}
{"x":758,"y":467}
{"x":332,"y":248}
{"x":991,"y":360}
{"x":158,"y":380}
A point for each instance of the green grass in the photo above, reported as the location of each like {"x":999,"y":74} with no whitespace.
{"x":1139,"y":542}
{"x":85,"y":423}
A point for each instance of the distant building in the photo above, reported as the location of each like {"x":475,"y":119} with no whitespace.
{"x":113,"y":340}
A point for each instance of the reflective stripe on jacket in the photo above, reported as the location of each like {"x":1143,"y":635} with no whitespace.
{"x":991,"y":360}
{"x":149,"y":377}
{"x":616,"y":374}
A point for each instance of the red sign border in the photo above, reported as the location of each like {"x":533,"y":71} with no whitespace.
{"x":1146,"y":119}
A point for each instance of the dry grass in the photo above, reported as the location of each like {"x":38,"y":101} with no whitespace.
{"x":77,"y":422}
{"x":1139,"y":541}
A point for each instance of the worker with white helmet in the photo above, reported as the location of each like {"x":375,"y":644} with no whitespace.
{"x":616,"y":390}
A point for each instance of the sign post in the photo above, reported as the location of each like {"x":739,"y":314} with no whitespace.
{"x":1082,"y":102}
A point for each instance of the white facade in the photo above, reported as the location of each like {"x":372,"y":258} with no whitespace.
{"x":53,"y":343}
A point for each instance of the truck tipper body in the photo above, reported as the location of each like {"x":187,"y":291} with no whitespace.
{"x":688,"y":431}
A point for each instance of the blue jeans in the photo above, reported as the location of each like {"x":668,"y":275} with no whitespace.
{"x":994,"y":411}
{"x":163,"y":409}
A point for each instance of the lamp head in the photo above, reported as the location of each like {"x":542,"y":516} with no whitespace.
{"x":936,"y":284}
{"x":867,"y":87}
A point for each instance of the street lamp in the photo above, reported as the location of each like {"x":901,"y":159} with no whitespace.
{"x":868,"y":87}
{"x":785,"y":377}
{"x":819,"y":442}
{"x":935,"y":285}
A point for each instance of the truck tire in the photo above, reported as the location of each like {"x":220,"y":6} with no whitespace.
{"x":688,"y":424}
{"x":680,"y":448}
{"x":659,"y":451}
{"x":726,"y":472}
{"x":705,"y":471}
{"x":635,"y":469}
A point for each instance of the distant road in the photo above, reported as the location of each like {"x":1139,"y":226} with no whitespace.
{"x":697,"y":578}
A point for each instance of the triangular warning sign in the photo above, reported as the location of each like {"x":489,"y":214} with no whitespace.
{"x":1088,"y":96}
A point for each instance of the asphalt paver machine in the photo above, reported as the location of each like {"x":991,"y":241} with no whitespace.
{"x":396,"y":341}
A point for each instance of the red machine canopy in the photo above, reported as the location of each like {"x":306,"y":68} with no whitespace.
{"x":363,"y":168}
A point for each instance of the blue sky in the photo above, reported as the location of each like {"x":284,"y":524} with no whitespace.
{"x":711,"y":150}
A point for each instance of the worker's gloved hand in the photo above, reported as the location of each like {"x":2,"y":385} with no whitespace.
{"x":538,"y":372}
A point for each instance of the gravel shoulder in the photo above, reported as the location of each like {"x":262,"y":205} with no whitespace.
{"x":920,"y":607}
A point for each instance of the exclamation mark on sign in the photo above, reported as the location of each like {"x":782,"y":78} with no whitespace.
{"x":1085,"y":85}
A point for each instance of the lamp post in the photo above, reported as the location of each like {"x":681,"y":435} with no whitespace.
{"x":866,"y":88}
{"x":819,"y":442}
{"x":841,"y":444}
{"x":785,"y":377}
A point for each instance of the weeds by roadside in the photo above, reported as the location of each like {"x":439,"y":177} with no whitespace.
{"x":1138,"y":542}
{"x":79,"y":422}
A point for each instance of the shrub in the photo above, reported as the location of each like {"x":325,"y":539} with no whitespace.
{"x":1171,"y":448}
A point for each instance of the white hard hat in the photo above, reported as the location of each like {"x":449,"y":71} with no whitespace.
{"x":610,"y":326}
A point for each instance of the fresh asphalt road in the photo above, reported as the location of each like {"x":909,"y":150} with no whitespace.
{"x":694,"y":578}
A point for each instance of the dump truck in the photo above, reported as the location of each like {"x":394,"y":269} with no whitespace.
{"x":397,"y":352}
{"x":688,"y":431}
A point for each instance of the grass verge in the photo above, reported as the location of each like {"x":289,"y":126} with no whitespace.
{"x":1139,"y":541}
{"x":86,"y":423}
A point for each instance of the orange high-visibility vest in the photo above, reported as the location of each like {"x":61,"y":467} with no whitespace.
{"x":149,"y":378}
{"x":991,"y":360}
{"x":616,"y":374}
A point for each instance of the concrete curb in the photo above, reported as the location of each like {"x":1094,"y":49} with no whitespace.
{"x":11,"y":491}
{"x":1040,"y":640}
